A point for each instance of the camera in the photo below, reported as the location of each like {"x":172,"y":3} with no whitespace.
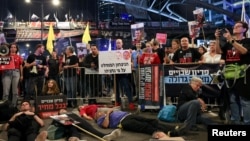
{"x":4,"y":50}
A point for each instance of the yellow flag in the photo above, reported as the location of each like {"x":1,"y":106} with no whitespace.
{"x":51,"y":37}
{"x":86,"y":36}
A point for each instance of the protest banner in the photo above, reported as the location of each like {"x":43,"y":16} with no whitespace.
{"x":114,"y":62}
{"x":81,"y":49}
{"x":6,"y":63}
{"x":47,"y":106}
{"x":178,"y":75}
{"x":162,"y":38}
{"x":137,"y":32}
{"x":150,"y":93}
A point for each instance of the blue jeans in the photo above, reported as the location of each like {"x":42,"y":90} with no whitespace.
{"x":71,"y":87}
{"x":10,"y":80}
{"x":190,"y":113}
{"x":239,"y":104}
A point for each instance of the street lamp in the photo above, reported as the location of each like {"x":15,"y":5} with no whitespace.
{"x":54,"y":2}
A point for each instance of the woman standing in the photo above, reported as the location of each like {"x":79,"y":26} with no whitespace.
{"x":11,"y":77}
{"x":212,"y":56}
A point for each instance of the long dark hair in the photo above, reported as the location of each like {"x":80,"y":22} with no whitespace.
{"x":17,"y":47}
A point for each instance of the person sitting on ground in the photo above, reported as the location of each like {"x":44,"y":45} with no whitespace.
{"x":74,"y":133}
{"x":25,"y":125}
{"x":132,"y":122}
{"x":51,"y":88}
{"x":88,"y":111}
{"x":190,"y":106}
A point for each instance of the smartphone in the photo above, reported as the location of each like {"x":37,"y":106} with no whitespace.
{"x":222,"y":31}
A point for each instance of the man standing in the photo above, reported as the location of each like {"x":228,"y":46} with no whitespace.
{"x":93,"y":81}
{"x":69,"y":66}
{"x":123,"y":83}
{"x":236,"y":51}
{"x":186,"y":54}
{"x":36,"y":64}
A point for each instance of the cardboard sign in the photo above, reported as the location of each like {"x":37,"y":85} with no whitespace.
{"x":50,"y":103}
{"x":162,"y":38}
{"x":114,"y":62}
{"x":6,"y":63}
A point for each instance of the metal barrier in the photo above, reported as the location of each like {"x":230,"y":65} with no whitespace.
{"x":158,"y":84}
{"x":87,"y":85}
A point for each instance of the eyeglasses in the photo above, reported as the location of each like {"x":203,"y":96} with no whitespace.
{"x":237,"y":26}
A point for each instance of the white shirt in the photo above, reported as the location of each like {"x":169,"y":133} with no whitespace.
{"x":211,"y":59}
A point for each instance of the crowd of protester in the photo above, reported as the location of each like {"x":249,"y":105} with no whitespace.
{"x":37,"y":76}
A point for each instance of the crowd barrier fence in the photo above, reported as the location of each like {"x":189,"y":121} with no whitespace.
{"x":157,"y":85}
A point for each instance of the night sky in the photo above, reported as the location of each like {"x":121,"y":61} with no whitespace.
{"x":22,"y":10}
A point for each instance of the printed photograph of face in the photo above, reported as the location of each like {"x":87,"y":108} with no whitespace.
{"x":118,"y":55}
{"x":126,"y":55}
{"x":138,"y":34}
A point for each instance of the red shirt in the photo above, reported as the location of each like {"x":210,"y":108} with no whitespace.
{"x":89,"y":110}
{"x":149,"y":58}
{"x":17,"y":60}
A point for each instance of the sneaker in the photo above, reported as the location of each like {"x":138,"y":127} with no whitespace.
{"x":114,"y":134}
{"x":131,"y":106}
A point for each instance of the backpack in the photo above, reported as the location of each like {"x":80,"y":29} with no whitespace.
{"x":56,"y":131}
{"x":167,"y":113}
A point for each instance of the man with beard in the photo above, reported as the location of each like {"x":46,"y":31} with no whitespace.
{"x":186,"y":54}
{"x":36,"y":63}
{"x":93,"y":81}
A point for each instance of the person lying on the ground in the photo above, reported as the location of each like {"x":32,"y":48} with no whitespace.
{"x":74,"y":132}
{"x":25,"y":125}
{"x":132,"y":122}
{"x":88,"y":111}
{"x":159,"y":135}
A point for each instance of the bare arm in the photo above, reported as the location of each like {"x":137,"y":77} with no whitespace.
{"x":235,"y":44}
{"x":217,"y":43}
{"x":21,"y":72}
{"x":87,"y":117}
{"x":105,"y":123}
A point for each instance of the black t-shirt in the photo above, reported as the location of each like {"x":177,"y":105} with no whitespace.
{"x":186,"y":94}
{"x":71,"y":60}
{"x":53,"y":65}
{"x":91,"y":59}
{"x":186,"y":56}
{"x":161,"y":53}
{"x":232,"y":56}
{"x":40,"y":60}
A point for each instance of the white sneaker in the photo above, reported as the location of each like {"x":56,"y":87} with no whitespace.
{"x":114,"y":134}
